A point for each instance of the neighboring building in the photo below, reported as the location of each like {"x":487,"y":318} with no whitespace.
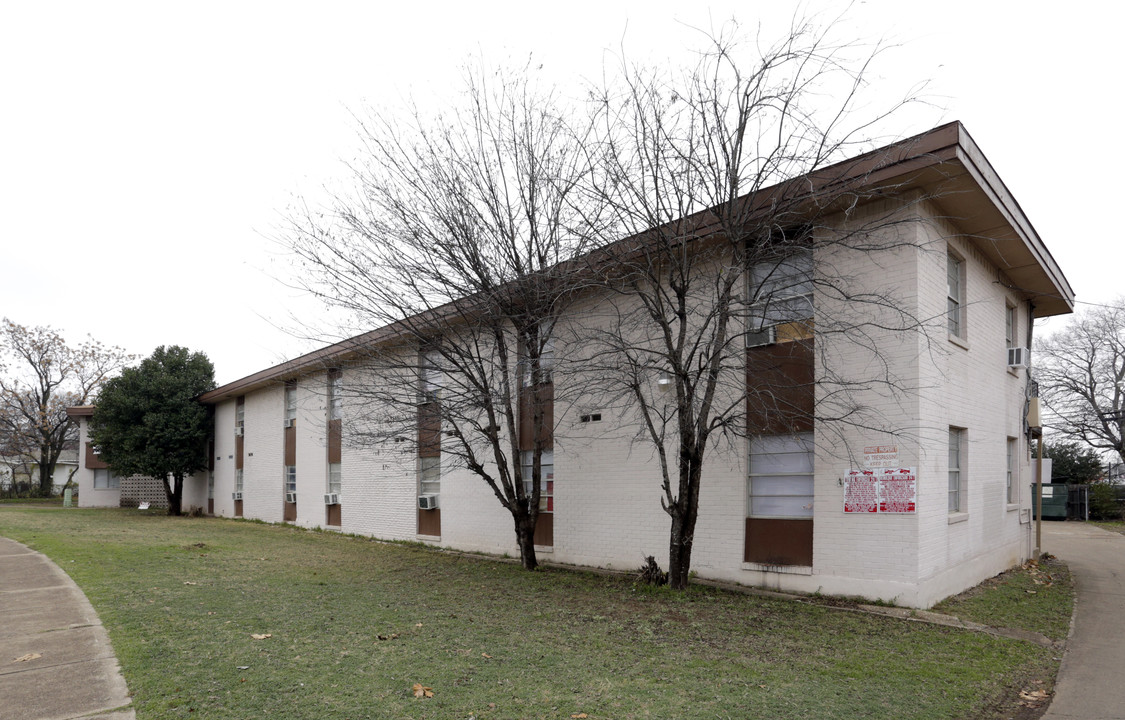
{"x":98,"y":486}
{"x":24,"y":471}
{"x":797,"y":509}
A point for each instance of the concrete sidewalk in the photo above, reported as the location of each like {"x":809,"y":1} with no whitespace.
{"x":56,"y":662}
{"x":1090,"y":686}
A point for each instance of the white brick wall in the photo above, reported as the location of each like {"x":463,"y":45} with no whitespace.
{"x":914,"y":385}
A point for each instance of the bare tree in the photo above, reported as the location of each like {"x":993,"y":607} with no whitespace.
{"x":725,"y":181}
{"x":456,"y":241}
{"x":40,"y":376}
{"x":1081,"y":376}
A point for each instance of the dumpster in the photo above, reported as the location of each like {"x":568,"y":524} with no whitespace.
{"x":1054,"y":502}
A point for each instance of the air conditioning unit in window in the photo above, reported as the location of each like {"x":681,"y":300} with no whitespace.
{"x":1018,"y":357}
{"x":290,"y":497}
{"x":290,"y":422}
{"x":331,"y":498}
{"x":765,"y":336}
{"x":236,"y":495}
{"x":428,"y":502}
{"x":238,"y":429}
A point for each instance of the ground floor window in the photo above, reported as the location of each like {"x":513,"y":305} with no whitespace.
{"x":546,"y":477}
{"x":779,"y":522}
{"x":781,"y":476}
{"x":1011,"y":476}
{"x":956,"y":470}
{"x":104,"y":479}
{"x":334,"y":477}
{"x":238,"y":480}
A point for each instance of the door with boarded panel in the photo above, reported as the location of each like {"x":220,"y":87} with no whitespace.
{"x":333,"y":514}
{"x":429,"y":466}
{"x":239,"y":448}
{"x":543,"y":396}
{"x":780,"y":406}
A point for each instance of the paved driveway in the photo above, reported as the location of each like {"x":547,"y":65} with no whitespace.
{"x":1092,"y":678}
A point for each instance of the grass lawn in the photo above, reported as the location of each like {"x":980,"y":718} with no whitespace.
{"x":1117,"y":526}
{"x":353,"y":624}
{"x":1035,"y":598}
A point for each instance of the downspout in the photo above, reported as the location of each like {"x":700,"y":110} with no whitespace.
{"x":1030,"y":390}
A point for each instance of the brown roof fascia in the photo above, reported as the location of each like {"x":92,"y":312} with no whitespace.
{"x":78,"y":411}
{"x":898,"y":166}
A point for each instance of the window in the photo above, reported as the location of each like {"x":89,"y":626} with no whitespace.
{"x":333,"y":394}
{"x":546,"y":477}
{"x":238,"y":480}
{"x":956,"y":470}
{"x":1010,"y":493}
{"x":1010,"y":326}
{"x":430,"y":375}
{"x":781,"y":476}
{"x":290,"y":404}
{"x":429,"y":479}
{"x":782,"y":290}
{"x":104,"y":479}
{"x":334,"y":477}
{"x":290,"y":478}
{"x":239,"y":417}
{"x":544,"y":344}
{"x":955,"y":292}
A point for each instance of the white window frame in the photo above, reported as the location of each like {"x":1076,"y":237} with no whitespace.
{"x":1011,"y":325}
{"x":766,"y":474}
{"x":109,"y":481}
{"x":430,"y":380}
{"x":955,"y":295}
{"x":239,"y":418}
{"x":290,"y":403}
{"x":429,"y":475}
{"x":290,"y":478}
{"x":957,"y":470}
{"x":335,"y":477}
{"x":1012,"y":475}
{"x":546,"y":357}
{"x":334,"y":404}
{"x":546,"y":477}
{"x":782,"y":292}
{"x":239,"y":476}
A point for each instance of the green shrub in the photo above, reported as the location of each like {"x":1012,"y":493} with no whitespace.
{"x":1105,"y":502}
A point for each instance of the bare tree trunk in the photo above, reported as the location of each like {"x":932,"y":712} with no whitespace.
{"x":174,"y":492}
{"x":684,"y":514}
{"x":525,"y":538}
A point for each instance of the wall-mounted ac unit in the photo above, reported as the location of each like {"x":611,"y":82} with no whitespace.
{"x":236,"y":495}
{"x":331,"y":498}
{"x":238,"y":430}
{"x":1018,"y":357}
{"x":765,"y":336}
{"x":290,"y":422}
{"x":427,"y":502}
{"x":290,"y":497}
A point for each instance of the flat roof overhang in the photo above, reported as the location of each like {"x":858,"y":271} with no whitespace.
{"x":945,"y":164}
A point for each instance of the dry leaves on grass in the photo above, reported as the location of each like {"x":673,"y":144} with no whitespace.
{"x":580,"y":716}
{"x":261,"y":636}
{"x":28,"y":658}
{"x":421,"y":690}
{"x":1033,"y":698}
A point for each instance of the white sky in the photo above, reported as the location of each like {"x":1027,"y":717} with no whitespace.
{"x":147,"y":150}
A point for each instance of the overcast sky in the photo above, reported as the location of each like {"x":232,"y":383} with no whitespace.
{"x":148,"y":150}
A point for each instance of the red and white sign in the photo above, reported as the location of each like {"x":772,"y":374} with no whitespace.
{"x":885,"y":490}
{"x":898,"y":491}
{"x":861,"y":492}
